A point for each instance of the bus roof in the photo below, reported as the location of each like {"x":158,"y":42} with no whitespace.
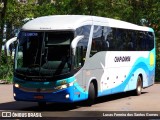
{"x":71,"y":22}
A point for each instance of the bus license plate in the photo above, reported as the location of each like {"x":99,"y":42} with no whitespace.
{"x":38,"y":97}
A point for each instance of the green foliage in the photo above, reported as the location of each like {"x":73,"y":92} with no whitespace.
{"x":6,"y":68}
{"x":128,"y":10}
{"x":44,"y":10}
{"x":158,"y":60}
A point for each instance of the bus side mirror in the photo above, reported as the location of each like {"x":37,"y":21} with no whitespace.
{"x":8,"y":45}
{"x":75,"y":42}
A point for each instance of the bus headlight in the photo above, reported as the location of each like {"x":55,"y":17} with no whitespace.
{"x":16,"y":85}
{"x":67,"y":96}
{"x":64,"y":86}
{"x":61,"y":87}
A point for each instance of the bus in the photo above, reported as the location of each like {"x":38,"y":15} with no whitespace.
{"x":70,"y":58}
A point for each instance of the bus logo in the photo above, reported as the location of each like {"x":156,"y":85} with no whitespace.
{"x":122,"y":59}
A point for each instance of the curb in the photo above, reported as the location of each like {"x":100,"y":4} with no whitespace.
{"x":4,"y":82}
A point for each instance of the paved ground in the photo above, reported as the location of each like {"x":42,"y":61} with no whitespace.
{"x":118,"y":104}
{"x":148,"y":101}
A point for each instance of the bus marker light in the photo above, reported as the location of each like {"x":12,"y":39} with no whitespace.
{"x":14,"y":95}
{"x":16,"y":85}
{"x":67,"y":96}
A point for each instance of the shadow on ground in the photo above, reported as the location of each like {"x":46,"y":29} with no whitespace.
{"x":32,"y":106}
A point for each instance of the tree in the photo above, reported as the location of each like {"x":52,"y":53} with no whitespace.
{"x":2,"y":24}
{"x":13,"y":12}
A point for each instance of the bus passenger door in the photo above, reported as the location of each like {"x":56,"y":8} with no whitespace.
{"x":79,"y":59}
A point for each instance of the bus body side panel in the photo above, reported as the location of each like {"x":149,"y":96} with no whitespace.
{"x":120,"y":70}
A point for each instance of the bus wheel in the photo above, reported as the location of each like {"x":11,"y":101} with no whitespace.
{"x":91,"y":94}
{"x":139,"y":86}
{"x":42,"y":104}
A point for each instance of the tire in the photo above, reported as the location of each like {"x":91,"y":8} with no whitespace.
{"x":42,"y":104}
{"x":91,"y":94}
{"x":138,"y":89}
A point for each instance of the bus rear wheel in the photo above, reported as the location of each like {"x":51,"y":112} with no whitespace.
{"x":138,"y":89}
{"x":91,"y":94}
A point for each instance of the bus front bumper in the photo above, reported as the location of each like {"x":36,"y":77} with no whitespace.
{"x":64,"y":95}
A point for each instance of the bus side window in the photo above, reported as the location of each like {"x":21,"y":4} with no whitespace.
{"x":133,"y":39}
{"x":82,"y":45}
{"x":129,"y":41}
{"x":96,"y":40}
{"x":150,"y":39}
{"x":140,"y":41}
{"x":107,"y":36}
{"x":81,"y":50}
{"x":106,"y":43}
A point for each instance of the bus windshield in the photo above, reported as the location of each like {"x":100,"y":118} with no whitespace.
{"x":43,"y":53}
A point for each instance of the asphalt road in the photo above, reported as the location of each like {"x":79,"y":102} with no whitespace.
{"x":149,"y":100}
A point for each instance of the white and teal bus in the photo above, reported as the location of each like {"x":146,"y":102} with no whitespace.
{"x":69,"y":58}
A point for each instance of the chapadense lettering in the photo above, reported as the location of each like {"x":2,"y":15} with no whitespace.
{"x":122,"y":59}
